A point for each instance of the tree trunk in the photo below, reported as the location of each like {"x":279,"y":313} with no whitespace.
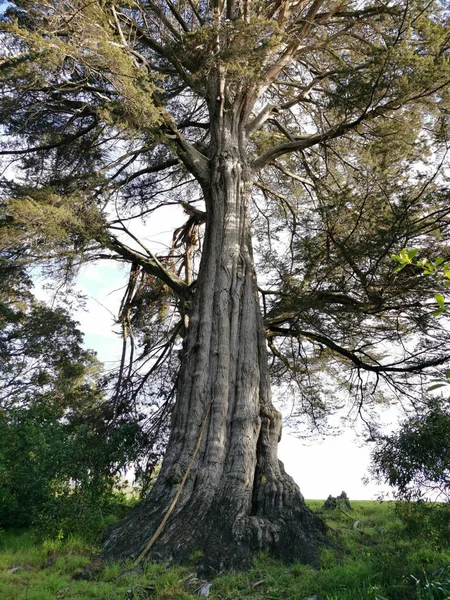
{"x":237,"y":498}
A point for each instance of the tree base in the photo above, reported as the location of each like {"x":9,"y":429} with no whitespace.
{"x":279,"y":523}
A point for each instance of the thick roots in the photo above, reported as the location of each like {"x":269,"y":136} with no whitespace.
{"x":279,"y":522}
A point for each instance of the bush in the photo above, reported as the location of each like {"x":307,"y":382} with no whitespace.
{"x":416,"y":459}
{"x":61,"y":477}
{"x":427,"y":520}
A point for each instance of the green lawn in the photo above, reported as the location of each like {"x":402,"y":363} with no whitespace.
{"x":370,"y":556}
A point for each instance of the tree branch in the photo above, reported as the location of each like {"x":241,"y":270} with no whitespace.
{"x":305,"y":142}
{"x":65,"y":140}
{"x":150,"y":264}
{"x":273,"y":331}
{"x":261,"y":118}
{"x":171,"y":162}
{"x":196,"y":162}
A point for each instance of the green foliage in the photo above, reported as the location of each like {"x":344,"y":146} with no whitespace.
{"x":60,"y":452}
{"x":47,"y":220}
{"x":92,"y":48}
{"x":428,"y":520}
{"x":435,"y":586}
{"x":405,"y":257}
{"x":59,"y":471}
{"x":105,"y":104}
{"x":414,"y":56}
{"x":416,"y":459}
{"x":41,"y":353}
{"x":239,"y":47}
{"x":438,"y":269}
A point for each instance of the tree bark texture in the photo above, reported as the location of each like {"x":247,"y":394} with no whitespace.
{"x":237,"y":498}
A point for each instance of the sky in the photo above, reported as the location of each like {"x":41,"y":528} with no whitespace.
{"x":320,"y":467}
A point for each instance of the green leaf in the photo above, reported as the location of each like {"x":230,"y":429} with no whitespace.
{"x":412,"y":253}
{"x":440,"y":299}
{"x":436,"y":386}
{"x":399,"y":268}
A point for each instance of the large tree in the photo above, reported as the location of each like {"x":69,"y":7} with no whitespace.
{"x":316,"y":127}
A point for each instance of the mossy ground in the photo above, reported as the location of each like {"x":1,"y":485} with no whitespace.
{"x":370,"y":556}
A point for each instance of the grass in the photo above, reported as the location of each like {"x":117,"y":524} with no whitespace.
{"x":370,"y":557}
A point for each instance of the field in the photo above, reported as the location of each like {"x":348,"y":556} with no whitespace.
{"x":371,"y":556}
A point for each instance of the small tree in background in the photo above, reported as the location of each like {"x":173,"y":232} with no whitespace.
{"x":60,"y":450}
{"x":415,"y":460}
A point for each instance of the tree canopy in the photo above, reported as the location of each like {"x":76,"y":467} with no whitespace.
{"x":41,"y":349}
{"x":105,"y":120}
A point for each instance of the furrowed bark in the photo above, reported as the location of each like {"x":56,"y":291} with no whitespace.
{"x":236,"y":498}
